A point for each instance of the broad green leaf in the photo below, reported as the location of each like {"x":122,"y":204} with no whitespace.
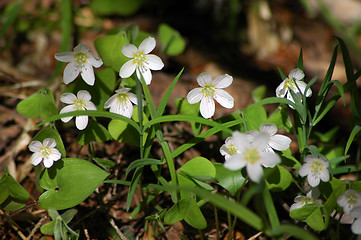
{"x":255,"y":115}
{"x":48,"y":228}
{"x":230,"y":180}
{"x":281,"y":118}
{"x":39,"y":105}
{"x":122,"y":132}
{"x":318,"y":220}
{"x":69,"y":182}
{"x":94,"y":132}
{"x":258,"y":93}
{"x":278,"y":178}
{"x":105,"y":83}
{"x":331,"y":191}
{"x":302,"y":214}
{"x":104,"y":163}
{"x":172,"y":42}
{"x":50,"y":132}
{"x":290,"y":161}
{"x":110,"y":50}
{"x":117,"y":7}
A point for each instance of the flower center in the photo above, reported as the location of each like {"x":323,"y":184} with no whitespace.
{"x":232,"y":149}
{"x":352,"y":199}
{"x":79,"y":104}
{"x":307,"y":200}
{"x":316,"y":167}
{"x":122,"y":97}
{"x":208,"y":90}
{"x":139,"y":58}
{"x":290,"y":83}
{"x":80,"y":58}
{"x":251,"y":155}
{"x":45,"y":151}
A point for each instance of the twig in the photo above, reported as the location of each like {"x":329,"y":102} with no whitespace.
{"x":37,"y":226}
{"x":255,"y":236}
{"x":13,"y":225}
{"x":121,"y":235}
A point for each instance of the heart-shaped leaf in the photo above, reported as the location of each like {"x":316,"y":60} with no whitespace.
{"x":278,"y":178}
{"x":69,"y":182}
{"x":230,"y":180}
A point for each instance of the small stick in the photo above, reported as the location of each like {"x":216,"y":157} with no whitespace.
{"x":37,"y":226}
{"x":121,"y":235}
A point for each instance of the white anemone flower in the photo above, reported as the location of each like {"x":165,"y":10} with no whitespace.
{"x":274,"y":141}
{"x":349,"y":200}
{"x":356,"y":225}
{"x":141,"y":61}
{"x":80,"y":61}
{"x":302,"y":200}
{"x":209,"y":91}
{"x":80,"y":102}
{"x":316,"y":169}
{"x":121,"y":102}
{"x":44,"y":151}
{"x":251,"y":156}
{"x":293,"y":82}
{"x":228,"y":149}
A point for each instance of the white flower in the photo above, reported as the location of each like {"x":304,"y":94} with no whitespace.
{"x":301,"y":200}
{"x":80,"y":61}
{"x":267,"y":132}
{"x":316,"y":169}
{"x":356,"y":225}
{"x":44,"y":151}
{"x":228,"y":149}
{"x":121,"y":102}
{"x":141,"y":62}
{"x":250,"y":156}
{"x":209,"y":91}
{"x":349,"y":200}
{"x":80,"y":102}
{"x":293,"y":82}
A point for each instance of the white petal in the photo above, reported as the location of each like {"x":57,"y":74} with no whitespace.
{"x":84,"y":95}
{"x":127,"y":69}
{"x":195,"y":95}
{"x":224,"y":150}
{"x":296,"y":205}
{"x":254,"y":172}
{"x":222,"y":81}
{"x":147,"y":75}
{"x":313,"y":180}
{"x":281,"y":90}
{"x":269,"y":159}
{"x":129,"y":50}
{"x":128,"y":109}
{"x":356,"y":212}
{"x":81,"y":47}
{"x":304,"y":170}
{"x":324,"y":176}
{"x":154,"y":62}
{"x":87,"y":73}
{"x":94,"y":61}
{"x":81,"y":122}
{"x":207,"y":107}
{"x":68,"y":98}
{"x":133,"y":98}
{"x":296,"y":74}
{"x":302,"y":86}
{"x":280,"y":142}
{"x":269,"y":128}
{"x":110,"y":101}
{"x":240,"y":141}
{"x":356,"y":226}
{"x":69,"y":108}
{"x":36,"y":158}
{"x":35,"y":146}
{"x":71,"y":72}
{"x":204,"y":78}
{"x":235,"y":162}
{"x":64,"y":56}
{"x":49,"y":142}
{"x":224,"y":98}
{"x":147,"y":45}
{"x":90,"y":106}
{"x":48,"y":162}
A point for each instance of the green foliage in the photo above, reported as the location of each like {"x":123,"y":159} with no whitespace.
{"x":12,"y":194}
{"x":39,"y":105}
{"x":278,"y":178}
{"x":172,"y":42}
{"x":94,"y":132}
{"x":230,"y":180}
{"x":119,"y":7}
{"x":59,"y":183}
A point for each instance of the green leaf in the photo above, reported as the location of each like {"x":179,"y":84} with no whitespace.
{"x":141,"y":163}
{"x":110,"y":50}
{"x":104,"y":163}
{"x":290,"y":161}
{"x":50,"y":132}
{"x":293,"y":230}
{"x":332,"y":190}
{"x":230,"y":180}
{"x":302,"y":214}
{"x":69,"y":182}
{"x":48,"y":228}
{"x":122,"y":132}
{"x":39,"y":105}
{"x":187,"y":109}
{"x":255,"y":115}
{"x":281,"y":118}
{"x":172,"y":42}
{"x":356,"y":129}
{"x":278,"y":178}
{"x":117,"y":7}
{"x":94,"y":132}
{"x":318,"y":220}
{"x":258,"y":93}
